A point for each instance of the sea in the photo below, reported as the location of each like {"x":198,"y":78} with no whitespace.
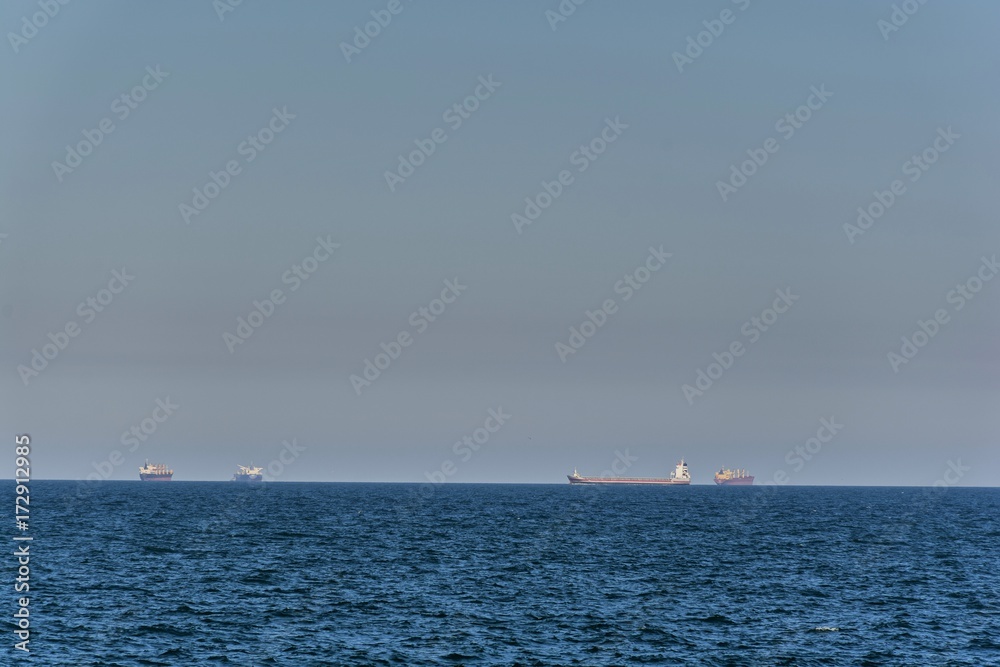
{"x":193,"y":573}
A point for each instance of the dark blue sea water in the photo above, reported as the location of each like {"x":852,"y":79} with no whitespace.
{"x":393,"y":574}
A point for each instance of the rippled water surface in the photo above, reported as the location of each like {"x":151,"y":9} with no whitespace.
{"x":395,"y":574}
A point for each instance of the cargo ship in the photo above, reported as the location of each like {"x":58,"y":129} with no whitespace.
{"x":156,"y":472}
{"x":248,"y":474}
{"x":680,"y":475}
{"x":738,"y":477}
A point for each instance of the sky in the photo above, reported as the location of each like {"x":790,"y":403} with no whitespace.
{"x":686,"y":175}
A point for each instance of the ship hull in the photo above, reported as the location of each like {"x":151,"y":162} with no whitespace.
{"x":737,"y":481}
{"x":628,"y":480}
{"x":248,"y":479}
{"x":155,"y":478}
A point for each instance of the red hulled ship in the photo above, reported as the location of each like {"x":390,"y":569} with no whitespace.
{"x":680,"y":475}
{"x":739,"y":477}
{"x":156,"y":472}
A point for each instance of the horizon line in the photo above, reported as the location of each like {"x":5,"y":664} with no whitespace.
{"x":762,"y":485}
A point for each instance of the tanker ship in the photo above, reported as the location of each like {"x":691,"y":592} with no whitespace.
{"x":156,"y":472}
{"x":248,"y":474}
{"x":680,"y":475}
{"x":739,"y":477}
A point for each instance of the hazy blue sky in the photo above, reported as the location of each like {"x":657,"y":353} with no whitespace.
{"x":889,"y":95}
